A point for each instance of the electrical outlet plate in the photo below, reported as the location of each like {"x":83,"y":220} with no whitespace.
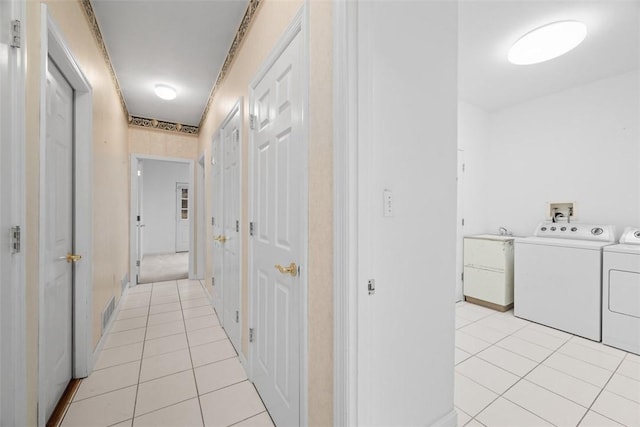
{"x":566,"y":209}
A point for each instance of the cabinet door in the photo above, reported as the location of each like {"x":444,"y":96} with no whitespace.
{"x":487,"y":285}
{"x":485,"y":253}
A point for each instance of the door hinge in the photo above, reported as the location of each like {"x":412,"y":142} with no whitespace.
{"x":138,"y":218}
{"x":251,"y":229}
{"x":371,"y":286}
{"x":463,"y":222}
{"x":251,"y":334}
{"x":213,"y":221}
{"x":15,"y":34}
{"x":237,"y":226}
{"x":462,"y":276}
{"x":15,"y":239}
{"x":237,"y":316}
{"x":252,"y":121}
{"x":463,"y":167}
{"x":213,"y":282}
{"x":137,"y":263}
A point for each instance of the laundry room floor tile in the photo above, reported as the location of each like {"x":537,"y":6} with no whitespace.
{"x":507,"y":360}
{"x":470,"y":396}
{"x":625,"y":387}
{"x":504,"y":413}
{"x":546,"y":404}
{"x":558,"y":376}
{"x":484,"y":373}
{"x":579,"y":369}
{"x":590,"y":355}
{"x":565,"y":385}
{"x":618,"y":408}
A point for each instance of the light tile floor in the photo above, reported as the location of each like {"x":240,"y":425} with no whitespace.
{"x":511,"y":372}
{"x":167,"y":362}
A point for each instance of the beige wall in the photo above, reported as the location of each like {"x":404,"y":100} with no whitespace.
{"x":110,"y":174}
{"x":270,"y":23}
{"x":162,"y":143}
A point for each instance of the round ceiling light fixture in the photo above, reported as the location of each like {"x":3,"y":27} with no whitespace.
{"x":165,"y":92}
{"x":547,"y":42}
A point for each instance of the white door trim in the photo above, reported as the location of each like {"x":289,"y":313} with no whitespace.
{"x":12,"y":310}
{"x":133,"y":198}
{"x":299,"y":24}
{"x":238,"y":108}
{"x":345,"y":202}
{"x":201,"y":234}
{"x":54,"y":46}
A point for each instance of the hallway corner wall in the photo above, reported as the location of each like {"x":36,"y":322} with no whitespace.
{"x":110,"y":175}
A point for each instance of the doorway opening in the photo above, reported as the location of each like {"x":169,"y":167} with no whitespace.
{"x":162,"y":219}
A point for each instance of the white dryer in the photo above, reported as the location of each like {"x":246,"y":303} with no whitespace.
{"x":558,"y":276}
{"x":621,"y":293}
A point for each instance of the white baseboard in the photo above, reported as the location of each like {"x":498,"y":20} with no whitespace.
{"x":449,"y":420}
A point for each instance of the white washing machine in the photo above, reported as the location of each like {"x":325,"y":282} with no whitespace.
{"x":558,"y":276}
{"x":621,"y":293}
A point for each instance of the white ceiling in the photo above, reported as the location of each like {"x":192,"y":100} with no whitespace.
{"x":182,"y":43}
{"x":488,"y":28}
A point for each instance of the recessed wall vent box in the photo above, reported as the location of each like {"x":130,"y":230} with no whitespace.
{"x":561,"y":211}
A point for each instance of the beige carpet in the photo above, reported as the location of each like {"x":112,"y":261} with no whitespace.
{"x":163,"y":267}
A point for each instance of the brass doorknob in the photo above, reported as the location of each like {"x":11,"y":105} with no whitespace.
{"x":220,"y":238}
{"x":73,"y":258}
{"x":292,"y":269}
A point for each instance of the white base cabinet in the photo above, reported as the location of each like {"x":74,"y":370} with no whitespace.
{"x":488,"y":270}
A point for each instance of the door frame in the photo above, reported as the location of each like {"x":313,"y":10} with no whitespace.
{"x":133,"y":199}
{"x":215,"y":186}
{"x":459,"y":296}
{"x":54,"y":45}
{"x":13,"y":307}
{"x":201,"y":226}
{"x":299,"y":25}
{"x":238,"y":107}
{"x":346,"y":57}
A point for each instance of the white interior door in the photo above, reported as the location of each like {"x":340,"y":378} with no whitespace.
{"x":58,"y":271}
{"x":230,"y":134}
{"x":216,"y":219}
{"x":278,"y":169}
{"x":460,"y":222}
{"x":183,"y":214}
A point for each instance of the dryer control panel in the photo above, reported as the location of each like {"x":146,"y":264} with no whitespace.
{"x":576,"y":231}
{"x":631,"y":236}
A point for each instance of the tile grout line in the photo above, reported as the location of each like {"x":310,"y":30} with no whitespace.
{"x":144,"y":341}
{"x":193,"y":369}
{"x":600,"y":393}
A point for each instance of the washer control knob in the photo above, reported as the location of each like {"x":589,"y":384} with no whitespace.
{"x":596,"y":231}
{"x":553,"y":229}
{"x":636,"y":234}
{"x":563,"y":229}
{"x":545,"y":229}
{"x":574,"y":229}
